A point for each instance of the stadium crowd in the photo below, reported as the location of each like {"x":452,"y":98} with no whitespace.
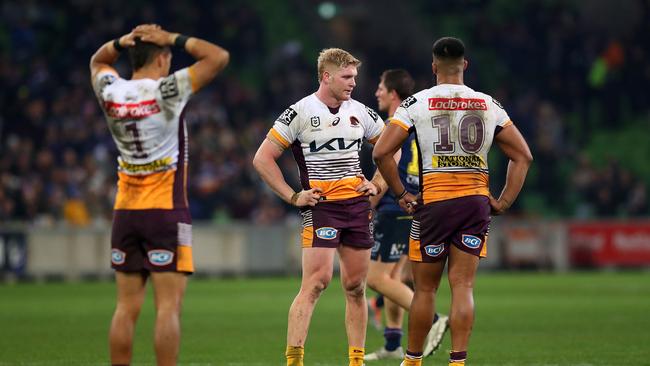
{"x":557,"y":75}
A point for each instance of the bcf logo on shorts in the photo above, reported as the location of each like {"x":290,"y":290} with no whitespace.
{"x":160,"y":257}
{"x":327,"y":233}
{"x":471,"y":241}
{"x":117,"y":256}
{"x":434,"y":250}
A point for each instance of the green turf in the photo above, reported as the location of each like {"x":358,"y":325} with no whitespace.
{"x":521,"y":319}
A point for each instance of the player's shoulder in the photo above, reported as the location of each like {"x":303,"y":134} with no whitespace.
{"x":299,"y":108}
{"x":415,"y":99}
{"x":306,"y":104}
{"x":111,"y":84}
{"x":490,"y":100}
{"x":170,"y":85}
{"x":362,"y":108}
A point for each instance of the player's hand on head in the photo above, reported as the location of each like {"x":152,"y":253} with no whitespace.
{"x":366,"y":187}
{"x":309,"y":197}
{"x":147,"y":26}
{"x":127,"y":40}
{"x":408,"y":203}
{"x":154,"y":34}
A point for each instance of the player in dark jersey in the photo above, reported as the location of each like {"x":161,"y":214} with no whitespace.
{"x":391,"y":231}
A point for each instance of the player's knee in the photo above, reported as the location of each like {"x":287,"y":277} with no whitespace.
{"x":460,"y":280}
{"x":317,"y":285}
{"x":129,"y":310}
{"x":354,"y":288}
{"x":169,"y":306}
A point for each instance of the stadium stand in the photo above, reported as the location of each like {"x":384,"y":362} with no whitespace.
{"x":564,"y":75}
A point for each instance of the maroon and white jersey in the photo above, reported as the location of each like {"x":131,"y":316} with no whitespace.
{"x":144,"y":117}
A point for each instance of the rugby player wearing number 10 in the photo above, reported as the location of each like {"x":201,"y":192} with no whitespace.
{"x":454,"y":128}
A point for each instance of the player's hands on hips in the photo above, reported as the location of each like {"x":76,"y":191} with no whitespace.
{"x":153,"y":33}
{"x":408,"y":203}
{"x":308,"y":198}
{"x":366,"y":187}
{"x":498,"y":207}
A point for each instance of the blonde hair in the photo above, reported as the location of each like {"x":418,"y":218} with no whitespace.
{"x":335,"y":57}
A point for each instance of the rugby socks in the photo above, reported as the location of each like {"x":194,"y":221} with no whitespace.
{"x":356,"y":355}
{"x":412,"y":359}
{"x":393,"y":337}
{"x":457,"y":358}
{"x":295,"y":355}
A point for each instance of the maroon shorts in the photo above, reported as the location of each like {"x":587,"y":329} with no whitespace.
{"x":152,"y":240}
{"x":463,"y":222}
{"x":331,"y":223}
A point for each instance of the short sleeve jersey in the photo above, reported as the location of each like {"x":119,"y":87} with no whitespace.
{"x":454,"y":128}
{"x":326,"y":143}
{"x":145,"y":117}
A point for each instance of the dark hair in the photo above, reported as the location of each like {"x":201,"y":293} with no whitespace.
{"x":400,"y":81}
{"x":143,"y":53}
{"x":448,"y":48}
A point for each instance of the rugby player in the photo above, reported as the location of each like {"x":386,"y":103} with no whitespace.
{"x":325,"y":131}
{"x":454,"y":128}
{"x":152,"y":231}
{"x":391,"y":231}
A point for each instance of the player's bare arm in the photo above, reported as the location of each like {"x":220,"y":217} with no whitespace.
{"x":513,"y":145}
{"x":383,"y":154}
{"x":380,"y":182}
{"x":265,"y":162}
{"x":210,"y":58}
{"x":107,"y":54}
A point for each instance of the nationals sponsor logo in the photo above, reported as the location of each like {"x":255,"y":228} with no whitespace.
{"x":131,"y":111}
{"x":457,"y":104}
{"x":472,"y":161}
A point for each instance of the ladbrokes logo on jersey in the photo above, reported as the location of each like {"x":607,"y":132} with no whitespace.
{"x":131,"y":110}
{"x":456,"y":104}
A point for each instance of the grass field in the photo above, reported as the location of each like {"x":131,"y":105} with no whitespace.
{"x":522,"y":319}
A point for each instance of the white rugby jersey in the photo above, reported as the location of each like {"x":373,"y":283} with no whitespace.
{"x":454,"y":127}
{"x":145,"y":119}
{"x":326,"y":143}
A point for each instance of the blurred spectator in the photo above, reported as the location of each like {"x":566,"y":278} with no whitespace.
{"x":560,"y":71}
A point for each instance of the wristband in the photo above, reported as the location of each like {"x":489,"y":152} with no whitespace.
{"x":180,"y":41}
{"x":294,"y":198}
{"x":116,"y":44}
{"x":402,"y":195}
